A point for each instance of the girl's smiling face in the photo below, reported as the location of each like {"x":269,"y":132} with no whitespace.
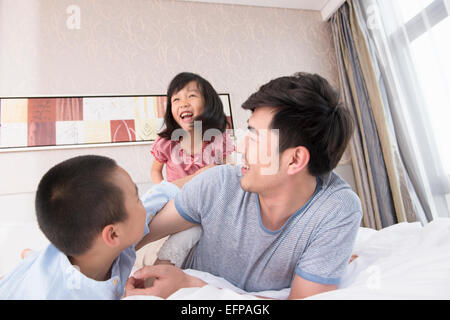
{"x":187,"y":105}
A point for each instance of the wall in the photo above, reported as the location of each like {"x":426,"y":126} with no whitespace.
{"x":136,"y":47}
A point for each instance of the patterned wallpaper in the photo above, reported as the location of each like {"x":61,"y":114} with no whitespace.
{"x":85,"y":47}
{"x":135,"y":47}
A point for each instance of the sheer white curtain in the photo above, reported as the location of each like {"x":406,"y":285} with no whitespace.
{"x":411,"y":40}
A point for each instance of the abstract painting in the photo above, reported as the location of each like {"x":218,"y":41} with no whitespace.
{"x":59,"y":121}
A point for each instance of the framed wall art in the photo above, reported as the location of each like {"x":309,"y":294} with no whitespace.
{"x":62,"y":121}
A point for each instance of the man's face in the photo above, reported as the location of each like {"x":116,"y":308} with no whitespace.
{"x":133,"y":226}
{"x":260,"y":149}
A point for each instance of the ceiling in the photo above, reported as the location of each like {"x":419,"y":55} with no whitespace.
{"x":326,"y":7}
{"x":291,"y":4}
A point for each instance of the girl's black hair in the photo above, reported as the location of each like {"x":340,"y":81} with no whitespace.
{"x":213,"y":116}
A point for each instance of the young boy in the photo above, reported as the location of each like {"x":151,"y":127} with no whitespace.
{"x":90,"y":210}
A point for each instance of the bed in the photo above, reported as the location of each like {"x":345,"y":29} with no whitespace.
{"x":404,"y":261}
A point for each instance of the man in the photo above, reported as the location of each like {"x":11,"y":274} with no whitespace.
{"x":287,"y":221}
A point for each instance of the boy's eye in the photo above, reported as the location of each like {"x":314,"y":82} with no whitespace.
{"x":175,"y":99}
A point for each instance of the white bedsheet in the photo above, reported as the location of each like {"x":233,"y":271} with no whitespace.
{"x":405,"y":261}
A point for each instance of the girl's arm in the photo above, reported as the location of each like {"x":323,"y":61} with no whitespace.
{"x":156,"y":171}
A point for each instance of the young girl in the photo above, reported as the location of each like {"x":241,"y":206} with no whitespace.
{"x":184,"y":149}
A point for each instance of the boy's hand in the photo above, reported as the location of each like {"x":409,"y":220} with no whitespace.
{"x":168,"y":280}
{"x":135,"y":283}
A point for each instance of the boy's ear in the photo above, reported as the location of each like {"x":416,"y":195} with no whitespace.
{"x":298,"y":160}
{"x":110,"y":235}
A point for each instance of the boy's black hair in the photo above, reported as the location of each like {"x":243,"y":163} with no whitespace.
{"x":76,"y":199}
{"x":309,"y":114}
{"x":212,"y":118}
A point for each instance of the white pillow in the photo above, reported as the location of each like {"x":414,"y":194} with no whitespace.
{"x":14,"y":238}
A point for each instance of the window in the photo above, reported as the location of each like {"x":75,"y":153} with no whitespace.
{"x":436,"y":92}
{"x":425,"y":24}
{"x":413,"y":39}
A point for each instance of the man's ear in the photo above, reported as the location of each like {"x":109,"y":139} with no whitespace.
{"x":110,"y":235}
{"x":298,"y":160}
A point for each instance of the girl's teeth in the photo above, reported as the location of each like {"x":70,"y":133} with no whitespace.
{"x":186,"y":114}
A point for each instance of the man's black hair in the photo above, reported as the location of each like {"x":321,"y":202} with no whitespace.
{"x":309,"y":114}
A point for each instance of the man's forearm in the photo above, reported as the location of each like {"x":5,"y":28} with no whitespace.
{"x":168,"y":221}
{"x":166,"y":225}
{"x":149,"y":238}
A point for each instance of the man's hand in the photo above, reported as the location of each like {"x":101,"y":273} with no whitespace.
{"x":167,"y":280}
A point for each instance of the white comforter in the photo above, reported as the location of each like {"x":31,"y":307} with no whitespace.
{"x":405,"y":261}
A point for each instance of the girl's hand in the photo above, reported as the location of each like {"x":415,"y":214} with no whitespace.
{"x":203,"y":169}
{"x":182,"y":181}
{"x":229,"y":159}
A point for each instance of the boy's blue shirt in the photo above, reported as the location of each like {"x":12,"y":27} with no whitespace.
{"x":50,"y":275}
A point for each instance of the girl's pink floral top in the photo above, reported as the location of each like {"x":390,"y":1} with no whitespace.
{"x":180,"y":163}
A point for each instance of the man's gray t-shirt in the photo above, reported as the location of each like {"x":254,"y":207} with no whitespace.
{"x":316,"y":242}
